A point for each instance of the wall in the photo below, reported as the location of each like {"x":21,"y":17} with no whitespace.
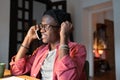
{"x":98,"y":17}
{"x":117,"y":36}
{"x":38,"y":10}
{"x":4,"y":30}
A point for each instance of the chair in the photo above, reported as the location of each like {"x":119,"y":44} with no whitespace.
{"x":86,"y":68}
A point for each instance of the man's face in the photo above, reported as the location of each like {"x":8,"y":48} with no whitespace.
{"x":49,"y":30}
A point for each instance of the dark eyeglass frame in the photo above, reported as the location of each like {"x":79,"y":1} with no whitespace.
{"x":46,"y":26}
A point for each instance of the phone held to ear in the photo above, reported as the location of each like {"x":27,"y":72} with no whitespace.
{"x":38,"y":34}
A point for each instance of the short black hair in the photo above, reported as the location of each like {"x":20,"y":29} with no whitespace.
{"x":59,"y":15}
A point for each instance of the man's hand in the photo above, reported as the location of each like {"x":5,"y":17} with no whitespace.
{"x":66,"y":28}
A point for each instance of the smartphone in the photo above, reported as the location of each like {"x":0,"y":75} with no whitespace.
{"x":38,"y":34}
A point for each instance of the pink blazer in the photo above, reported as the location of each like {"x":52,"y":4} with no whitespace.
{"x":70,"y":67}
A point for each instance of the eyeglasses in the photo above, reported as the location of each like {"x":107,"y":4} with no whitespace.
{"x":46,"y":26}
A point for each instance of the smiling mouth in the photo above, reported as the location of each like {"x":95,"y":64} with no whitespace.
{"x":44,"y":36}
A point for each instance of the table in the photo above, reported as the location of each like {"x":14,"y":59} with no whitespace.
{"x":8,"y":74}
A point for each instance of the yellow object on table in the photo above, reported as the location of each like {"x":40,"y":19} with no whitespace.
{"x":7,"y":73}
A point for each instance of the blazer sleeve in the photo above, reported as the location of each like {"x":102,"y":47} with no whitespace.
{"x":23,"y":65}
{"x":70,"y":67}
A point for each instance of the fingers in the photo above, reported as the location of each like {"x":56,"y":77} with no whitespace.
{"x":66,"y":28}
{"x":37,"y":27}
{"x":67,"y":25}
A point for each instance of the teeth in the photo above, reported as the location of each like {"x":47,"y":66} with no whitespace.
{"x":43,"y":36}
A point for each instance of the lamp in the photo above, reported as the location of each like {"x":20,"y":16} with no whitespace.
{"x":99,"y":44}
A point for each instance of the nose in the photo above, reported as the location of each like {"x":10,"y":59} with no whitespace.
{"x":42,"y":30}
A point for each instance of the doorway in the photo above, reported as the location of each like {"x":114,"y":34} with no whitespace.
{"x":97,"y":16}
{"x":104,"y":57}
{"x":103,"y":43}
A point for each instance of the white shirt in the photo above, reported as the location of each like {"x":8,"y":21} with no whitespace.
{"x":47,"y":67}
